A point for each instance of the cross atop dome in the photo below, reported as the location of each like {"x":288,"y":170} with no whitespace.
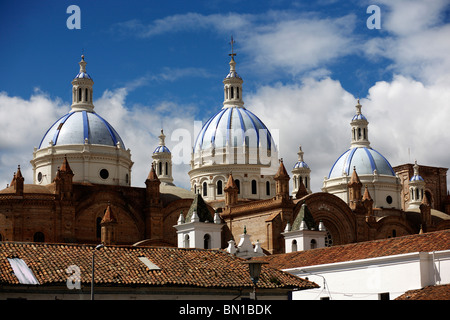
{"x":232,"y":83}
{"x":232,"y":54}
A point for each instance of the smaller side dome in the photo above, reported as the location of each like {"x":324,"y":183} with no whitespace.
{"x":416,"y":176}
{"x":83,"y":74}
{"x":160,"y":149}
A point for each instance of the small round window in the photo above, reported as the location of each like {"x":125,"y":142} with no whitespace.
{"x":39,"y":177}
{"x":104,"y":174}
{"x":389,"y":199}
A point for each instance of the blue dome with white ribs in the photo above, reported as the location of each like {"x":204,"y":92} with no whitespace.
{"x":301,"y":164}
{"x":364,"y":159}
{"x":160,"y":149}
{"x":234,"y":127}
{"x":77,"y":126}
{"x":416,"y":178}
{"x":83,"y":75}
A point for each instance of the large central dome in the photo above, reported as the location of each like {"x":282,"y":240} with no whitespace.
{"x":234,"y":127}
{"x":234,"y":140}
{"x":81,"y":127}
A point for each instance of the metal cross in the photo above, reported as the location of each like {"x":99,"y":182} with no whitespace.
{"x":232,"y":54}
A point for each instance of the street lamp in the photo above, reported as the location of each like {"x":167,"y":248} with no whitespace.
{"x":318,"y":275}
{"x":254,"y":267}
{"x":93,"y":269}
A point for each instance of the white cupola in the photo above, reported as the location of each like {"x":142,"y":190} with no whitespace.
{"x":360,"y":131}
{"x":416,"y":188}
{"x":300,"y":174}
{"x":82,"y":89}
{"x":162,"y":159}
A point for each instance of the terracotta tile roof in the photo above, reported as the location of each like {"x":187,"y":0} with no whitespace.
{"x":441,"y":292}
{"x":427,"y":242}
{"x":121,"y":266}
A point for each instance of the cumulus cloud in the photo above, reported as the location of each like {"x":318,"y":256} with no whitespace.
{"x":415,"y":39}
{"x":407,"y":121}
{"x":295,"y":42}
{"x":24,"y":123}
{"x":138,"y":125}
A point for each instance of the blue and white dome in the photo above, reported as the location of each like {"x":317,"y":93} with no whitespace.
{"x":77,"y":126}
{"x":301,"y":164}
{"x":160,"y":149}
{"x":234,"y":127}
{"x":364,"y":159}
{"x":83,"y":75}
{"x":416,"y":178}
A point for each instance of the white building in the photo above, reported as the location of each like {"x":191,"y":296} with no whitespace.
{"x":372,"y":270}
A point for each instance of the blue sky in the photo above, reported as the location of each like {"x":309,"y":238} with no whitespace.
{"x":304,"y":64}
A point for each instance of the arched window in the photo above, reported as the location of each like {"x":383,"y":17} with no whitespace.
{"x":294,"y":245}
{"x":267,"y":188}
{"x":306,"y":182}
{"x":167,"y":168}
{"x":254,"y":185}
{"x":238,"y":185}
{"x":237,"y":92}
{"x":160,"y":168}
{"x":38,"y":237}
{"x":79,"y":94}
{"x":86,"y":98}
{"x":186,"y":241}
{"x":313,"y":244}
{"x":206,"y":241}
{"x":98,"y":227}
{"x":219,"y":187}
{"x":195,"y":188}
{"x":205,"y":189}
{"x":359,"y":133}
{"x":232,"y":92}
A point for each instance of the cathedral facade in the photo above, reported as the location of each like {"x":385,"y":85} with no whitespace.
{"x":81,"y":190}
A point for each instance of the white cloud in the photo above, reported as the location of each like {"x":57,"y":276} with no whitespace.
{"x":407,"y":121}
{"x":24,"y":123}
{"x":415,"y":38}
{"x":295,"y":42}
{"x":314,"y":114}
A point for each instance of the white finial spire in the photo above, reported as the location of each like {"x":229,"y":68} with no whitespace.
{"x":162,"y":138}
{"x":232,"y":83}
{"x":300,"y":154}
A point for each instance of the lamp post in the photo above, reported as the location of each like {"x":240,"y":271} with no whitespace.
{"x":93,"y":269}
{"x":318,"y":275}
{"x":254,"y":267}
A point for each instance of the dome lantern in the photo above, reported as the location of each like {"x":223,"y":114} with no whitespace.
{"x":232,"y":84}
{"x":82,"y":89}
{"x":360,"y":131}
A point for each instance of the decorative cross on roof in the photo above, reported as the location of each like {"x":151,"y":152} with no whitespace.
{"x":232,"y":54}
